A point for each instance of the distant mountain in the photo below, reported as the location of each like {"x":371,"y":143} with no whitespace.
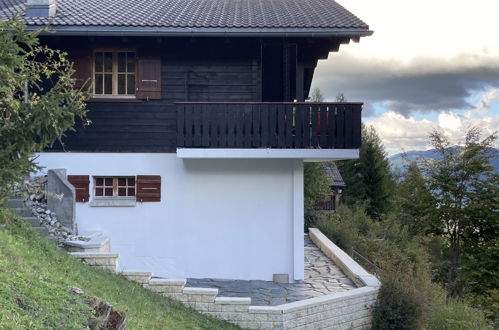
{"x":398,"y":161}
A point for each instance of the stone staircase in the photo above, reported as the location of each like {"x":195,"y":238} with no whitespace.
{"x":18,"y":206}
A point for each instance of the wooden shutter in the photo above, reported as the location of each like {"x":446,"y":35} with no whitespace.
{"x":80,"y":182}
{"x":148,"y":188}
{"x":148,"y":77}
{"x":82,"y":64}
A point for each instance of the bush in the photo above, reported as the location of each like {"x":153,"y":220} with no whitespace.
{"x":457,"y":315}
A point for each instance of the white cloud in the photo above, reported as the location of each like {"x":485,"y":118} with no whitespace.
{"x":404,"y":133}
{"x":407,"y":29}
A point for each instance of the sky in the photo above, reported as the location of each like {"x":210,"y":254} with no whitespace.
{"x":430,"y":64}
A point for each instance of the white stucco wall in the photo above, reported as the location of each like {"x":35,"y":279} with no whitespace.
{"x":217,"y":218}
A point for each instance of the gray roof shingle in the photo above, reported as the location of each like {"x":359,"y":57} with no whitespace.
{"x":196,"y":14}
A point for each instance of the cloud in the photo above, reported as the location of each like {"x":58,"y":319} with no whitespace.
{"x":404,"y":133}
{"x":419,"y":85}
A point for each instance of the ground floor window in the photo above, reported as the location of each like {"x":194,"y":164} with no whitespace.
{"x":114,"y":186}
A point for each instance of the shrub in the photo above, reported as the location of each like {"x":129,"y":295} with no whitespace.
{"x":457,"y":315}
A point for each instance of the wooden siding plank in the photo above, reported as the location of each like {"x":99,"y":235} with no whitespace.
{"x":256,"y":126}
{"x":231,"y":126}
{"x":340,"y":127}
{"x":273,"y":125}
{"x":348,"y":126}
{"x":325,"y":128}
{"x":281,"y":131}
{"x":314,"y":141}
{"x":357,"y":125}
{"x":239,"y":111}
{"x":205,"y":108}
{"x":289,"y":123}
{"x":248,"y":109}
{"x":264,"y":115}
{"x":181,"y":125}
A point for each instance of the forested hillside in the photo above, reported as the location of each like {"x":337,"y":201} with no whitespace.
{"x":430,"y":232}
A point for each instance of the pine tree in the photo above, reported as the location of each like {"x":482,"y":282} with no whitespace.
{"x":368,"y":179}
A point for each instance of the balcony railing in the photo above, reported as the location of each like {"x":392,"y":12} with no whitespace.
{"x":268,"y":125}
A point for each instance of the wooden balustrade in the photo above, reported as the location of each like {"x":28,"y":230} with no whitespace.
{"x":269,"y":125}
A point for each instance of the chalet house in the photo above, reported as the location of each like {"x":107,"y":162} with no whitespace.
{"x":193,"y":163}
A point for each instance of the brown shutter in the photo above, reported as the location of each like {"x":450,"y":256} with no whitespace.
{"x":82,"y":64}
{"x":148,"y":188}
{"x":80,"y":182}
{"x":148,"y":77}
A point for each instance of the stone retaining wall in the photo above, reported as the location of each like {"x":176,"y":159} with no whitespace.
{"x":343,"y":310}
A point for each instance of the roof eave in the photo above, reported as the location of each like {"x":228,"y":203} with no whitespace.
{"x":205,"y":32}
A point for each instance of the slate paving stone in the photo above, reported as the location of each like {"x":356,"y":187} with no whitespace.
{"x":322,"y":277}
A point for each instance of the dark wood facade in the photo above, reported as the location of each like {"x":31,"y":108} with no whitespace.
{"x":192,"y":70}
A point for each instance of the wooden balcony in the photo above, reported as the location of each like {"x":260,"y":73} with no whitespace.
{"x":269,"y":125}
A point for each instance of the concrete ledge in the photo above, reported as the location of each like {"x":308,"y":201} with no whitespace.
{"x":168,"y":281}
{"x":103,"y":260}
{"x":138,"y":276}
{"x":349,"y":266}
{"x":97,"y":244}
{"x":267,"y":153}
{"x":232,"y":301}
{"x":205,"y":291}
{"x":113,"y":203}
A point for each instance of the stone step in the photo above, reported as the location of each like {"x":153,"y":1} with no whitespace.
{"x":23,"y":211}
{"x":97,"y":244}
{"x":33,"y":221}
{"x":15,"y":203}
{"x":42,"y":230}
{"x":103,"y":260}
{"x":138,"y":276}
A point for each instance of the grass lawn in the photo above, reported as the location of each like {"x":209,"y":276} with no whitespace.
{"x":34,"y":280}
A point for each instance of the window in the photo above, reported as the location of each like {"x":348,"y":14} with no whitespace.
{"x":114,"y":73}
{"x":114,"y":186}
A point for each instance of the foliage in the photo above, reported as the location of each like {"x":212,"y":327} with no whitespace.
{"x":316,"y":95}
{"x":456,"y":315}
{"x":34,"y":279}
{"x":414,"y":200}
{"x":316,"y":184}
{"x":465,"y":200}
{"x":37,"y":100}
{"x":368,"y":179}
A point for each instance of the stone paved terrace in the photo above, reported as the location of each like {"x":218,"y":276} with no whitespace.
{"x":322,"y":277}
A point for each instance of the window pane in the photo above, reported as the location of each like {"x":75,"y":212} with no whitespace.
{"x":108,"y":181}
{"x":131,"y":62}
{"x":99,"y":192}
{"x":98,"y":62}
{"x":121,"y":62}
{"x":131,"y":191}
{"x":122,"y":182}
{"x":108,"y":62}
{"x":122,"y":84}
{"x":108,"y":191}
{"x":131,"y":181}
{"x":121,"y":191}
{"x":98,"y":83}
{"x":99,"y":181}
{"x":108,"y":84}
{"x":130,"y":84}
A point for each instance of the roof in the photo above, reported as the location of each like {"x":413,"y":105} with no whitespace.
{"x":196,"y":15}
{"x":334,"y":175}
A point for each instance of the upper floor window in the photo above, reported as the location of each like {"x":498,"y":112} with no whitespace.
{"x":114,"y":73}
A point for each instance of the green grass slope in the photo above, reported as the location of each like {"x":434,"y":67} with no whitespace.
{"x":34,"y":280}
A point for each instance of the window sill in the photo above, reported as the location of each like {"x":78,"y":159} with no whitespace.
{"x":113,"y":203}
{"x":114,"y":99}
